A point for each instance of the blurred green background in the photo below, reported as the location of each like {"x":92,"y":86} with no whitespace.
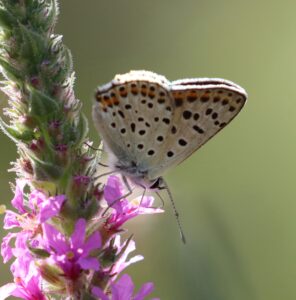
{"x":236,"y":195}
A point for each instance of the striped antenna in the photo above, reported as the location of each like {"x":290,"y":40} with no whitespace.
{"x":165,"y":187}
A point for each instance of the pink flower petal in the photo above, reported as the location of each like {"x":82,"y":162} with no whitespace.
{"x":54,"y":239}
{"x":112,"y":191}
{"x":93,"y":242}
{"x":96,"y":291}
{"x":7,"y":290}
{"x":50,"y":207}
{"x":18,"y":200}
{"x":123,"y":288}
{"x":11,"y":220}
{"x":78,"y":236}
{"x":90,"y":263}
{"x":6,"y":250}
{"x":144,"y":291}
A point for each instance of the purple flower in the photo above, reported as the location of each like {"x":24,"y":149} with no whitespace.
{"x":123,"y":209}
{"x":123,"y":289}
{"x":32,"y":213}
{"x":6,"y":250}
{"x":18,"y":200}
{"x":26,"y":277}
{"x":72,"y":255}
{"x":28,"y":290}
{"x":61,"y":148}
{"x":39,"y":208}
{"x":123,"y":262}
{"x":23,"y":266}
{"x":82,"y":180}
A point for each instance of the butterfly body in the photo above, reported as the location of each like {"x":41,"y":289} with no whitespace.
{"x":151,"y":124}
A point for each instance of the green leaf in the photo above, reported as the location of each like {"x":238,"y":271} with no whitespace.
{"x":67,"y":62}
{"x":51,"y":273}
{"x":16,"y":135}
{"x":87,"y":296}
{"x":38,"y":252}
{"x":45,"y":170}
{"x":53,"y":13}
{"x":10,"y":72}
{"x":7,"y":21}
{"x":61,"y":59}
{"x":81,"y":130}
{"x":33,"y":45}
{"x":41,"y":105}
{"x":48,"y":186}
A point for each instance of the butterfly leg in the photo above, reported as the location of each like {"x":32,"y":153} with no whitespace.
{"x":103,"y":165}
{"x":100,"y":176}
{"x":142,"y":197}
{"x":130,"y":191}
{"x":105,"y":174}
{"x":93,"y":148}
{"x":161,"y":199}
{"x":165,"y":187}
{"x":127,"y":185}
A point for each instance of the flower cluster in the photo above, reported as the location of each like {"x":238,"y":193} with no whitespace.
{"x":62,"y":243}
{"x":47,"y":261}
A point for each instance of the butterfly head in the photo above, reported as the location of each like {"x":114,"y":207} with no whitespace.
{"x":146,"y":183}
{"x":139,"y":175}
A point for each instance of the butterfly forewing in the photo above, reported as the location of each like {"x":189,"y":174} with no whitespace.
{"x":133,"y":116}
{"x":201,"y":109}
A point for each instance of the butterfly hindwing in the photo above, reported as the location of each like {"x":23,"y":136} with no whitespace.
{"x":202,"y":107}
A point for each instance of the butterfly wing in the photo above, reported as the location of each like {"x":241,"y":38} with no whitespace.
{"x":201,"y":108}
{"x":131,"y":113}
{"x":154,"y":124}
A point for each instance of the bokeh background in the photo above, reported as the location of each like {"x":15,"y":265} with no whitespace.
{"x":237,"y":194}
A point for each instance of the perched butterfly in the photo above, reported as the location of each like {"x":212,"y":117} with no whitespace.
{"x":150,"y":124}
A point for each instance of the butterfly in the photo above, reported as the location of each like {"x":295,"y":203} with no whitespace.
{"x":150,"y":124}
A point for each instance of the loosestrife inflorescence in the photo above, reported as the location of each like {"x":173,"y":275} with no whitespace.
{"x":63,"y":245}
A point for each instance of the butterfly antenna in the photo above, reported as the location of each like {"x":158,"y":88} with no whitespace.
{"x":103,"y":165}
{"x":93,"y":148}
{"x":175,"y":210}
